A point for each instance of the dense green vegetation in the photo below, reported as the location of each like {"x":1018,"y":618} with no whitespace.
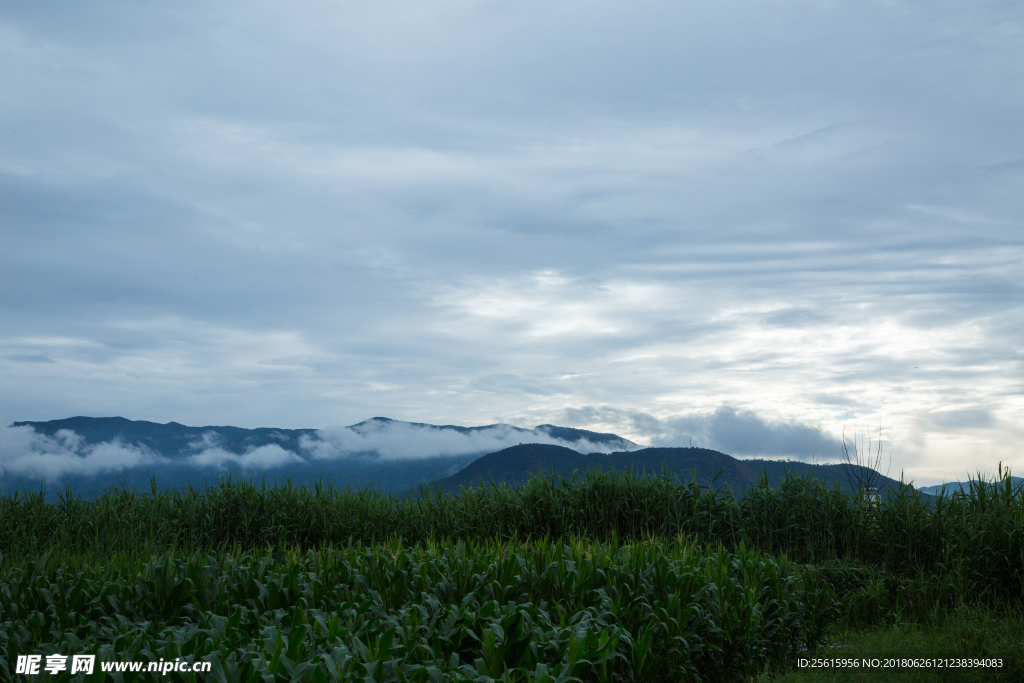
{"x":538,"y":611}
{"x":602,"y":577}
{"x":977,"y":539}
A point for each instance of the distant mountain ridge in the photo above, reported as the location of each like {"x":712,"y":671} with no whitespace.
{"x":965,"y":486}
{"x":173,"y":439}
{"x":366,"y":453}
{"x":515,"y":465}
{"x":180,"y":450}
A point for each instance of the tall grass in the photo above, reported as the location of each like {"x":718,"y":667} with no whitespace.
{"x":976,"y":537}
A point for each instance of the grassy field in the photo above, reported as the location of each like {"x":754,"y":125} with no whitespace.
{"x":600,"y":578}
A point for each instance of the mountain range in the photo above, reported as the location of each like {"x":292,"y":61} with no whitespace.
{"x":965,"y":486}
{"x":173,"y":439}
{"x":89,"y":454}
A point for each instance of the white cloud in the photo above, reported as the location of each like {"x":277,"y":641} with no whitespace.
{"x":264,"y":457}
{"x":402,"y":440}
{"x":208,"y":452}
{"x":25,"y":453}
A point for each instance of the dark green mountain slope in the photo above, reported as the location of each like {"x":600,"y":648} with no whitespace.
{"x":517,"y":464}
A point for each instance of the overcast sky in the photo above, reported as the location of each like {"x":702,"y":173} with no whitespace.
{"x":653,"y":218}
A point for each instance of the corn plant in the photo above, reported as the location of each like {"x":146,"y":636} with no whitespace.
{"x":539,"y":611}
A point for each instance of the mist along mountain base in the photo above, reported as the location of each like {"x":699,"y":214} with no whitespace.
{"x":88,"y":454}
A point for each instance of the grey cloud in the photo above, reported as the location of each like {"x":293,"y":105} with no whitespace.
{"x":31,"y":358}
{"x":962,"y":419}
{"x":795,"y":317}
{"x":851,"y":406}
{"x":732,"y":431}
{"x":745,"y":433}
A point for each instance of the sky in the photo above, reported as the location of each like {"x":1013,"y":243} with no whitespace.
{"x":755,"y":226}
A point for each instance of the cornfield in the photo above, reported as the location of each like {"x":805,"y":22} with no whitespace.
{"x":602,"y":577}
{"x":977,"y":535}
{"x":538,"y":611}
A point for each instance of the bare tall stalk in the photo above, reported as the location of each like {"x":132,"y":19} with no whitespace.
{"x":862,"y":466}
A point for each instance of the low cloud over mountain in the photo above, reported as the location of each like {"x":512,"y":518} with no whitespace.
{"x":106,"y":446}
{"x":394,"y":440}
{"x":27,"y":453}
